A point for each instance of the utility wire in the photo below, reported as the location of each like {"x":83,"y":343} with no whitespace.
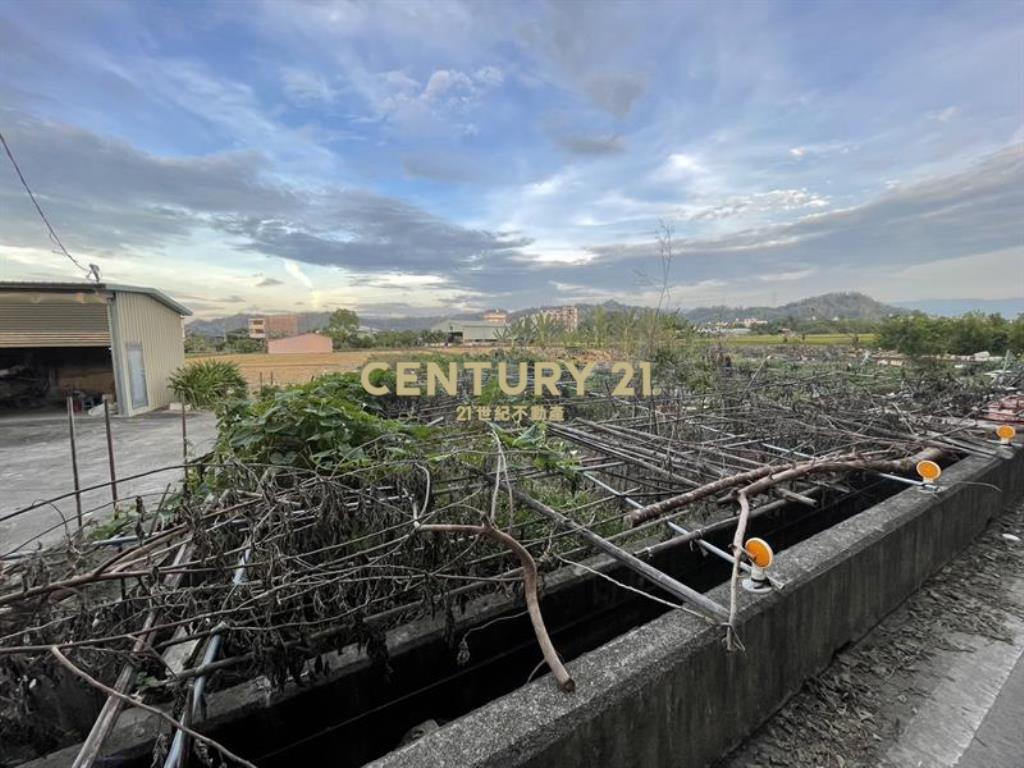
{"x":92,"y":270}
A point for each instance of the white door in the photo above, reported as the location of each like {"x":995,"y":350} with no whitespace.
{"x":137,"y":376}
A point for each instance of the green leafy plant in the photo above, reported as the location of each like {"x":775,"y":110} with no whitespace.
{"x":208,"y":383}
{"x":327,"y":423}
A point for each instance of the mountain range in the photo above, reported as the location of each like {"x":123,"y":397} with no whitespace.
{"x":848,"y":306}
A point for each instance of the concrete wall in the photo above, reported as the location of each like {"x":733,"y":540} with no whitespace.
{"x":136,"y":318}
{"x":668,"y":694}
{"x":306,"y":343}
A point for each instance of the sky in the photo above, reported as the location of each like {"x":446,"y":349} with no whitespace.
{"x":402,"y":158}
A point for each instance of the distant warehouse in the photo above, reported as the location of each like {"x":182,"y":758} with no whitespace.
{"x":303,"y":343}
{"x":470,"y":331}
{"x":88,"y":340}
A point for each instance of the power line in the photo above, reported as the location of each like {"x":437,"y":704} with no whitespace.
{"x":92,"y":271}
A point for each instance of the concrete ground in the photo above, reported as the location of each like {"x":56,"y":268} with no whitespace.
{"x":35,"y":464}
{"x":938,"y":684}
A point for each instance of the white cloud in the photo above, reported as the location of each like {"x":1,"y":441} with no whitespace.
{"x":307,"y":88}
{"x":679,"y":165}
{"x":398,"y":97}
{"x":399,"y":81}
{"x":549,"y":186}
{"x":822,"y":149}
{"x":489,"y":76}
{"x":783,"y":277}
{"x":295,"y":271}
{"x":560,"y":255}
{"x":758,"y":204}
{"x":444,"y":82}
{"x":945,"y":115}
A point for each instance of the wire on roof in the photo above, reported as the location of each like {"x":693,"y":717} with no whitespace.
{"x":92,"y":271}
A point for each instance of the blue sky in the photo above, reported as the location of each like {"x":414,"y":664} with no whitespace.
{"x":402,"y":158}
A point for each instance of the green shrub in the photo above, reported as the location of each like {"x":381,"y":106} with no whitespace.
{"x":323,"y":424}
{"x":208,"y":383}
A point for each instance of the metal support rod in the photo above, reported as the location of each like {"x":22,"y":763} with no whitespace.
{"x":74,"y":459}
{"x":110,"y":449}
{"x":184,"y":438}
{"x":707,"y":546}
{"x":677,"y":589}
{"x":176,"y":753}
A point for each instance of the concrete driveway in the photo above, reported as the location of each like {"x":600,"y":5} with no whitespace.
{"x":35,"y":464}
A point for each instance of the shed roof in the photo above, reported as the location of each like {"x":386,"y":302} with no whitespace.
{"x":74,"y":287}
{"x":445,"y":324}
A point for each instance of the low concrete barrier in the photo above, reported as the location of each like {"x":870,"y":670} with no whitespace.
{"x":669,"y":694}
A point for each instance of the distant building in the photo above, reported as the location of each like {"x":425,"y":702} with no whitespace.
{"x":498,"y":316}
{"x":273,"y":326}
{"x":303,"y":343}
{"x":567,"y":317}
{"x":722,"y":329}
{"x":469,"y":331}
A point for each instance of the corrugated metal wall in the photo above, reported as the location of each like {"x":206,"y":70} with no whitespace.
{"x":53,"y":320}
{"x":139,"y":319}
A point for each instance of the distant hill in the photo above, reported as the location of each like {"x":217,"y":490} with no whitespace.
{"x":413,"y":323}
{"x":847,"y":306}
{"x":312,"y":321}
{"x":1008,"y":308}
{"x":218,"y":326}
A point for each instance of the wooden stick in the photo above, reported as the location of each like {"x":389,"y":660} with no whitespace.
{"x":737,"y":554}
{"x":107,"y":718}
{"x":761,"y":478}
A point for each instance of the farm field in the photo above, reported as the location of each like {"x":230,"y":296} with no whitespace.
{"x":816,"y":339}
{"x":261,"y":368}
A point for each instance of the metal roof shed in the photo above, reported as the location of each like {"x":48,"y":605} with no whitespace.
{"x":55,"y":324}
{"x":470,"y":331}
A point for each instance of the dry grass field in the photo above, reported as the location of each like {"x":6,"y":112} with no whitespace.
{"x":261,"y":368}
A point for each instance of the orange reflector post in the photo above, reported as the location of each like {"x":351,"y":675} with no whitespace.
{"x":1005,"y":432}
{"x":759,"y":552}
{"x":929,"y":471}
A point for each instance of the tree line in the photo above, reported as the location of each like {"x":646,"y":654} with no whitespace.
{"x":920,"y":334}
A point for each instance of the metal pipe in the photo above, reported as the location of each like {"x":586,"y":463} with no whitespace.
{"x":184,"y":438}
{"x":695,"y":599}
{"x":177,"y":751}
{"x":110,"y":449}
{"x":707,"y":546}
{"x":74,"y":459}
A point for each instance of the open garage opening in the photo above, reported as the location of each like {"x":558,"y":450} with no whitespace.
{"x":40,"y":379}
